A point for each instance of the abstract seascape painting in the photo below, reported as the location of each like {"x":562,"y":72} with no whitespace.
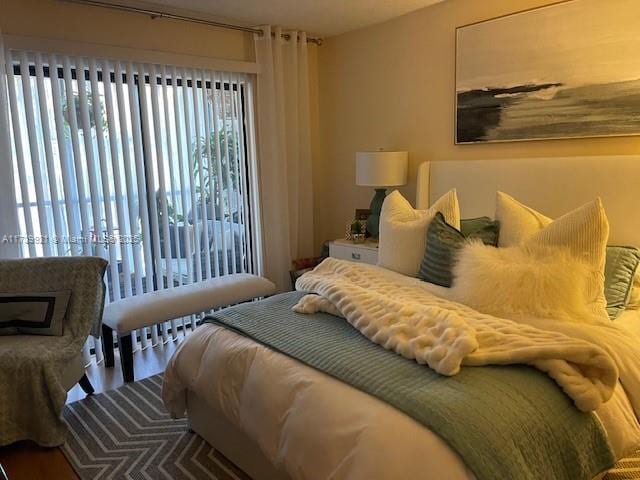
{"x":567,"y":70}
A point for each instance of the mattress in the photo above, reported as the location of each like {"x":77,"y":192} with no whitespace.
{"x":311,"y":426}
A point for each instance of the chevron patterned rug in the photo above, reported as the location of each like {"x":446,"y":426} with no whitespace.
{"x":625,"y":469}
{"x":127,"y":434}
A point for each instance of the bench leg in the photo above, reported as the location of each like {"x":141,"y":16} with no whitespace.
{"x":107,"y":345}
{"x":85,"y":384}
{"x":125,"y":345}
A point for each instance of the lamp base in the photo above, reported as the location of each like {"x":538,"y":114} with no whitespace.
{"x":373,"y":221}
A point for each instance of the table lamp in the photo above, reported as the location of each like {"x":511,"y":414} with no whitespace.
{"x":380,"y":170}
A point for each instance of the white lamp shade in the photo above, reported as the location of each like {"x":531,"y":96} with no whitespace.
{"x":381,"y":169}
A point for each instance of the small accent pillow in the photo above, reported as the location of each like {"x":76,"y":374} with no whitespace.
{"x":522,"y":281}
{"x":619,"y":273}
{"x":443,"y":241}
{"x":469,"y":226}
{"x":403,"y":230}
{"x":39,"y":313}
{"x":584,"y":231}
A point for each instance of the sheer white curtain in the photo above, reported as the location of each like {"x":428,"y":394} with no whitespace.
{"x":284,"y":151}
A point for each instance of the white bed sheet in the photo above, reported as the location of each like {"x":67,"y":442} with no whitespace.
{"x":306,"y":423}
{"x":314,"y":426}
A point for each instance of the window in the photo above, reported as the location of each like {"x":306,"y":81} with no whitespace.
{"x":126,"y":161}
{"x":145,"y":165}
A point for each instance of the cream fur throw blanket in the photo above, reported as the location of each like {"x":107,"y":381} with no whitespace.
{"x":400,"y":314}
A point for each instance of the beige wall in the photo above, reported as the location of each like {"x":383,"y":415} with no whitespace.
{"x":392,"y":86}
{"x":67,"y":21}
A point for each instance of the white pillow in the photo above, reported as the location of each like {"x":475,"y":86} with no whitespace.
{"x":583,"y":231}
{"x":522,"y":281}
{"x":517,"y":221}
{"x":403,"y":230}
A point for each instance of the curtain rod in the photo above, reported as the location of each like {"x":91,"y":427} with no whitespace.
{"x":159,"y":14}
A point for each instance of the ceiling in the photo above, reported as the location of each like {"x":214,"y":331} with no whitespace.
{"x":320,"y":17}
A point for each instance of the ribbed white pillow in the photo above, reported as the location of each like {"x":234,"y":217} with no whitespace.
{"x":517,"y":221}
{"x":583,"y":231}
{"x":403,"y":230}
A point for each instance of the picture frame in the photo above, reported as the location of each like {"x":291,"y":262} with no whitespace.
{"x":362,"y":213}
{"x":535,"y":75}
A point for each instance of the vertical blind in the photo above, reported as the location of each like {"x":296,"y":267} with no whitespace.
{"x":145,"y":165}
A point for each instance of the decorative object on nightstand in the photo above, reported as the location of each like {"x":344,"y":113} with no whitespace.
{"x":380,"y":170}
{"x":357,"y":231}
{"x":344,"y":249}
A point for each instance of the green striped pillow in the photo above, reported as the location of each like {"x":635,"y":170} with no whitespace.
{"x":443,"y":241}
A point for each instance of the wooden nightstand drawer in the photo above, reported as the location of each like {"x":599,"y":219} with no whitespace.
{"x":346,"y":250}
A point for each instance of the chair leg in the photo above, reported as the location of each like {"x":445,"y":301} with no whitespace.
{"x":125,"y":345}
{"x":85,"y":384}
{"x":107,"y":345}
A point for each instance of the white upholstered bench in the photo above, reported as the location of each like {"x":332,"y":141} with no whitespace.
{"x":129,"y":314}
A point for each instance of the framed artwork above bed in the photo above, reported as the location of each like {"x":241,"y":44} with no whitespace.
{"x":567,"y":70}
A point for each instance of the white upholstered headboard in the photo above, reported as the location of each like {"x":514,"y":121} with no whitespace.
{"x":552,"y":186}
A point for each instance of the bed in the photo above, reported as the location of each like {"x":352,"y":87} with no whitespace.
{"x":278,"y":418}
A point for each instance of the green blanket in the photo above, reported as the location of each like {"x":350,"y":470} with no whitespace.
{"x":506,"y":422}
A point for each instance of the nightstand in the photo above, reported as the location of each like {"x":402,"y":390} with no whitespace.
{"x":355,"y":252}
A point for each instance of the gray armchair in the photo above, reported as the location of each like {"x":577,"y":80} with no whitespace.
{"x":36,"y":371}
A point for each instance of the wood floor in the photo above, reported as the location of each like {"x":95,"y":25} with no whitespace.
{"x":27,"y":461}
